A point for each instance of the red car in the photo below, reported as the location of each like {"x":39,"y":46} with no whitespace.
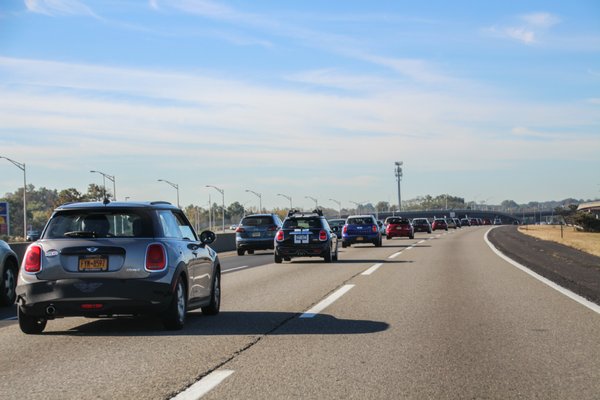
{"x":399,"y":227}
{"x":439,"y":223}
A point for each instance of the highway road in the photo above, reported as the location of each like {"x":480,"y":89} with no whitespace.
{"x":440,"y":316}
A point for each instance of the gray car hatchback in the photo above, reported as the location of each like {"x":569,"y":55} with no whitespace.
{"x":110,"y":259}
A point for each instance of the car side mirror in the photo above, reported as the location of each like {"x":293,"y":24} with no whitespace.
{"x":335,"y":228}
{"x":207,"y":237}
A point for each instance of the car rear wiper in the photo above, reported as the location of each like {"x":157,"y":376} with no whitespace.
{"x":86,"y":234}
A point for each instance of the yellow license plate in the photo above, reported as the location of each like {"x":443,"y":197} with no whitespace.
{"x":94,"y":263}
{"x":359,"y":239}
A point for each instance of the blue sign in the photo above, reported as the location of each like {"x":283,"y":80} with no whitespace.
{"x":4,"y":218}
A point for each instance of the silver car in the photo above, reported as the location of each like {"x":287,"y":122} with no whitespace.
{"x":103,"y":260}
{"x":9,"y":267}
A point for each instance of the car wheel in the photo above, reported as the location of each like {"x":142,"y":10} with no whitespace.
{"x":335,"y":255}
{"x":287,"y":259}
{"x":411,"y":237}
{"x":215,"y":297}
{"x":278,"y":259}
{"x":344,"y":245}
{"x":174,"y":317}
{"x":8,"y":284}
{"x":30,"y":324}
{"x":250,"y":251}
{"x":240,"y":252}
{"x":327,"y":257}
{"x":387,"y":238}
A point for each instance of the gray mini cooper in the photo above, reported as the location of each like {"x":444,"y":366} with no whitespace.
{"x":109,"y":259}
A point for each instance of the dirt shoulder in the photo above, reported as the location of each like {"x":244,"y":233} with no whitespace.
{"x":568,"y":235}
{"x":573,"y":269}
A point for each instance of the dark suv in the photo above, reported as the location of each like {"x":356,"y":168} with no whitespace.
{"x":107,"y":259}
{"x":305,"y":235}
{"x":256,"y":232}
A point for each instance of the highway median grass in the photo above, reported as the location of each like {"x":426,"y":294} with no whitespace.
{"x":584,"y":241}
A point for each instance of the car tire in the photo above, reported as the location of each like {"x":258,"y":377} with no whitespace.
{"x":344,"y":245}
{"x":287,"y":259}
{"x":335,"y":255}
{"x":8,"y":284}
{"x":29,"y":324}
{"x":387,"y":238}
{"x":411,"y":237}
{"x":327,"y":257}
{"x":174,"y":317}
{"x":278,"y":259}
{"x":240,"y":252}
{"x":215,"y":296}
{"x":250,"y":251}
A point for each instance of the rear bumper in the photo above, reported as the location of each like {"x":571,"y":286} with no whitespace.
{"x":314,"y":250}
{"x":109,"y":297}
{"x":360,"y":239}
{"x":254,"y":244}
{"x":392,"y":234}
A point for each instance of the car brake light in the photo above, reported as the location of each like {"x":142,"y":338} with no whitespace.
{"x":91,"y":306}
{"x":345,"y":229}
{"x":374,"y":228}
{"x":279,"y":236}
{"x":156,"y":259}
{"x":33,"y":259}
{"x":322,"y":235}
{"x":240,"y":229}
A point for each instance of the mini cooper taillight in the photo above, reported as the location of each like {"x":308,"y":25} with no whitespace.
{"x":374,"y":228}
{"x":322,"y":236}
{"x":345,"y":229}
{"x":279,"y":236}
{"x":33,"y":259}
{"x":156,"y":257}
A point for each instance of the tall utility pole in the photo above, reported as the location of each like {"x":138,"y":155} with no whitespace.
{"x":110,"y":178}
{"x":287,"y":197}
{"x":175,"y":186}
{"x":222,"y":191}
{"x":315,"y":200}
{"x":339,"y":203}
{"x":259,"y":195}
{"x":21,"y":166}
{"x":399,"y":178}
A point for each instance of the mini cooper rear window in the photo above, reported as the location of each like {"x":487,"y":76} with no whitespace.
{"x":302,"y":223}
{"x":398,"y":221}
{"x":360,"y":221}
{"x":91,"y":223}
{"x":257,"y":221}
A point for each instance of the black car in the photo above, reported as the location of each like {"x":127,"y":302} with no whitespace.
{"x":421,"y":225}
{"x":9,"y":269}
{"x":305,"y":235}
{"x":256,"y":232}
{"x":32,"y":236}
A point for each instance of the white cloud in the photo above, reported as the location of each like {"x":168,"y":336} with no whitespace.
{"x":541,"y":19}
{"x":59,"y":7}
{"x":521,"y":34}
{"x":529,"y":31}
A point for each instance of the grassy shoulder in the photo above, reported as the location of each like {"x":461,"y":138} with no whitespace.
{"x":584,"y":241}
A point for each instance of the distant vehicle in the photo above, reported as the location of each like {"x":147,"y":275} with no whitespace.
{"x":474,"y":221}
{"x":421,"y":225}
{"x":9,"y":270}
{"x":497,"y":221}
{"x":457,"y":222}
{"x":486,"y":221}
{"x":32,"y":236}
{"x":439,"y":223}
{"x":233,"y":227}
{"x":382,"y":227}
{"x":465,"y":222}
{"x":256,"y":232}
{"x":305,"y":235}
{"x":399,"y":227}
{"x":336,"y":225}
{"x":451,"y":223}
{"x":361,"y":229}
{"x":122,"y":258}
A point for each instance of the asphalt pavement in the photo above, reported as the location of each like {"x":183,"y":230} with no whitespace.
{"x":440,"y":316}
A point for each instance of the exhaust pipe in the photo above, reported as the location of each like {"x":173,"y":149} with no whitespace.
{"x":50,"y":311}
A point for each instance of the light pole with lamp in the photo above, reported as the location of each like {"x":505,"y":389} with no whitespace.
{"x":110,"y":178}
{"x":176,"y":186}
{"x":398,"y":172}
{"x":339,"y":203}
{"x":21,"y":166}
{"x":358,"y":206}
{"x":259,"y":195}
{"x":287,"y":197}
{"x":315,"y":200}
{"x":223,"y":198}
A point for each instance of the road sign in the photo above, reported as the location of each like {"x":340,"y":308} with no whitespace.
{"x":4,"y":219}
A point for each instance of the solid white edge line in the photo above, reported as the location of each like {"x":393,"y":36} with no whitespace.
{"x":573,"y":296}
{"x":327,"y":301}
{"x":235,"y":269}
{"x":372,"y":269}
{"x":422,"y":241}
{"x":395,"y":255}
{"x":204,"y":385}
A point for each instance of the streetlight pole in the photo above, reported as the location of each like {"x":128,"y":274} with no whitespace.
{"x":315,"y":200}
{"x":287,"y":197}
{"x":222,"y":191}
{"x":110,"y":178}
{"x":339,"y":203}
{"x":358,"y":205}
{"x":21,"y":166}
{"x":398,"y":172}
{"x":259,"y":199}
{"x":176,"y":186}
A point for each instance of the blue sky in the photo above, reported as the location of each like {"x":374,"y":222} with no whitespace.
{"x":484,"y":100}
